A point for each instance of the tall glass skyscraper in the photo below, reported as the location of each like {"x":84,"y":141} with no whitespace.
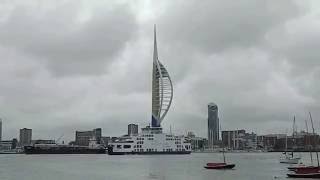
{"x":213,"y":124}
{"x":162,"y":89}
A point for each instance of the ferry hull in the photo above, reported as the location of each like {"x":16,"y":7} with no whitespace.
{"x":146,"y":153}
{"x":66,"y":150}
{"x":111,"y":152}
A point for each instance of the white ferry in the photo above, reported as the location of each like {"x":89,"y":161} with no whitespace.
{"x":151,"y":141}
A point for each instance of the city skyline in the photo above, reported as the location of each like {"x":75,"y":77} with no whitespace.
{"x":94,"y":70}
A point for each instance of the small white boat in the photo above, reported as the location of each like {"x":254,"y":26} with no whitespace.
{"x":290,"y":159}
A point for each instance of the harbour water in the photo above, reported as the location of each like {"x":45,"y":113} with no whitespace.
{"x":249,"y":166}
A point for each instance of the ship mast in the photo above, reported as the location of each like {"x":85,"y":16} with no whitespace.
{"x":314,"y":139}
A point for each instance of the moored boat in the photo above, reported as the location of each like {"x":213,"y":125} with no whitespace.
{"x":290,"y":159}
{"x":308,"y":175}
{"x":306,"y":171}
{"x":301,"y":168}
{"x":219,"y":166}
{"x":223,"y":165}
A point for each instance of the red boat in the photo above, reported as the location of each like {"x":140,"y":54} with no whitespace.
{"x":222,"y":165}
{"x":306,"y":171}
{"x":303,"y":168}
{"x":219,"y":166}
{"x":309,"y":175}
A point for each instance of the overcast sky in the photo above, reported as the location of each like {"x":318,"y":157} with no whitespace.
{"x":77,"y":65}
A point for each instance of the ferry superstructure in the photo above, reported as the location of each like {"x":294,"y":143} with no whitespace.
{"x":152,"y":140}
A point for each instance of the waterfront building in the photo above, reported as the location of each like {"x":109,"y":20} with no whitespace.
{"x":269,"y":141}
{"x":152,"y":140}
{"x":105,"y":140}
{"x":233,"y":139}
{"x":82,"y":137}
{"x":25,"y":137}
{"x":197,"y":143}
{"x":250,"y":140}
{"x":301,"y":141}
{"x":191,"y":134}
{"x":8,"y":145}
{"x":213,"y":125}
{"x":132,"y":129}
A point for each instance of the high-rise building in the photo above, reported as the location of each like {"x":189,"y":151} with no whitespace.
{"x":25,"y":136}
{"x":213,"y":124}
{"x":0,"y":129}
{"x":132,"y":129}
{"x":162,"y":89}
{"x":83,"y":137}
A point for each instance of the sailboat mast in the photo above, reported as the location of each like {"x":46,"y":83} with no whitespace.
{"x":224,"y":157}
{"x":286,"y":143}
{"x":293,"y":137}
{"x":308,"y":142}
{"x":313,"y":138}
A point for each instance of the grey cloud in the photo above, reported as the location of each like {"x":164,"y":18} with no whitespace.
{"x":214,"y":26}
{"x":248,"y":94}
{"x":298,"y":42}
{"x":64,"y":43}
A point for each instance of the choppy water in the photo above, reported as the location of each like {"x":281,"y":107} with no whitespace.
{"x":249,"y":166}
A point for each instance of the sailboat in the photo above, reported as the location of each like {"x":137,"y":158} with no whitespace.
{"x":308,"y":143}
{"x":223,"y":165}
{"x":289,"y":158}
{"x":307,"y":171}
{"x":220,"y":165}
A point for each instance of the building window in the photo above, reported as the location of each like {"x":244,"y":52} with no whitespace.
{"x":119,"y":146}
{"x":126,"y":146}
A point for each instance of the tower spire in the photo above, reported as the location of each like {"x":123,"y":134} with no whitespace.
{"x":155,"y":49}
{"x":162,"y":89}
